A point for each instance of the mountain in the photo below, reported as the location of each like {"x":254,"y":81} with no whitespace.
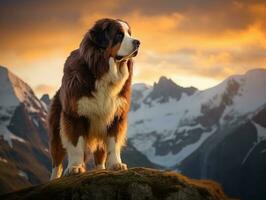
{"x":133,"y":184}
{"x":166,"y":89}
{"x":161,"y":92}
{"x":46,"y":99}
{"x":24,"y":158}
{"x":218,"y":133}
{"x":237,"y":160}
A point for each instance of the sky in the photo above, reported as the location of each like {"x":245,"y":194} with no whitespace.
{"x":195,"y":43}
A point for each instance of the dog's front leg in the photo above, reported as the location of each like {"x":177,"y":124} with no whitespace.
{"x":113,"y":155}
{"x":75,"y":154}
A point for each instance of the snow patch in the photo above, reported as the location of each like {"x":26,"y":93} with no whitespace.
{"x":261,"y":132}
{"x":261,"y":136}
{"x":145,"y":143}
{"x":171,"y":159}
{"x":3,"y":160}
{"x":8,"y":136}
{"x":36,"y":123}
{"x":188,"y":128}
{"x":23,"y":174}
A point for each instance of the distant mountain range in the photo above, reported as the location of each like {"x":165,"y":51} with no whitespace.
{"x":218,"y":133}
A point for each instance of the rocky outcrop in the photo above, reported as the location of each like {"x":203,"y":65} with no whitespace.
{"x":166,"y":88}
{"x":132,"y":184}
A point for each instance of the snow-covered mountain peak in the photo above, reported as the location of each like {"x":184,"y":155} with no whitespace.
{"x":23,"y":133}
{"x":7,"y":93}
{"x":180,"y":117}
{"x":165,"y":82}
{"x":166,"y":88}
{"x":255,"y":76}
{"x":241,"y":90}
{"x":22,"y":90}
{"x":14,"y":91}
{"x":258,"y":72}
{"x":17,"y":96}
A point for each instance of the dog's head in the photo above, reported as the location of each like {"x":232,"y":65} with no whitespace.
{"x":111,"y":38}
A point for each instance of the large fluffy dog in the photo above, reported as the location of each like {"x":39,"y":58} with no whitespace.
{"x":90,"y":108}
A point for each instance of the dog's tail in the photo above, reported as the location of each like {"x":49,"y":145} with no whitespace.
{"x":56,"y":149}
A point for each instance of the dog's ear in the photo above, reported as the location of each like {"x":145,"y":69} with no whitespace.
{"x":99,"y":36}
{"x":84,"y":47}
{"x":95,"y":58}
{"x":93,"y":48}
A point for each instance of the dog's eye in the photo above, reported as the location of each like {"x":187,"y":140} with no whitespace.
{"x":119,"y":36}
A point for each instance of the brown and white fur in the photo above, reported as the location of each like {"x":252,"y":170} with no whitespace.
{"x":90,"y":108}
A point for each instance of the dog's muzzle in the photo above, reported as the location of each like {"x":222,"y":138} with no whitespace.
{"x":136,"y":44}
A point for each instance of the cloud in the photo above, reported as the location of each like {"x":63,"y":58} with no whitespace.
{"x":207,"y":40}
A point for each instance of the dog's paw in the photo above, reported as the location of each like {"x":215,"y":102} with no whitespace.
{"x":99,"y":167}
{"x":74,"y":169}
{"x":117,"y":166}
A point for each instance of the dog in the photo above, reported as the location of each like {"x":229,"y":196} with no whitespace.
{"x":90,"y":108}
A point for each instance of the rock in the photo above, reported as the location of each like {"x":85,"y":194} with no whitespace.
{"x":46,"y":99}
{"x":132,"y":184}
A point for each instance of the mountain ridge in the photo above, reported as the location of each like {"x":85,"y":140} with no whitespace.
{"x":24,"y":157}
{"x":187,"y":134}
{"x":184,"y":132}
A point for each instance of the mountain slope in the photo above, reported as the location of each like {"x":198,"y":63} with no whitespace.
{"x":218,"y":133}
{"x":24,"y":156}
{"x":203,"y":133}
{"x":190,"y":120}
{"x":237,"y":161}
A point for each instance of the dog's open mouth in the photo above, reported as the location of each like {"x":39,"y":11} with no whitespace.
{"x":133,"y":54}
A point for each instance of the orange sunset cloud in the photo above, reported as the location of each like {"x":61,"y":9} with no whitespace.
{"x":194,"y":43}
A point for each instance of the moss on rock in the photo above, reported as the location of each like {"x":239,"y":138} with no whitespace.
{"x":132,"y":184}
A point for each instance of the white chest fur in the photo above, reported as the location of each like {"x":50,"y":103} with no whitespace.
{"x":105,"y":103}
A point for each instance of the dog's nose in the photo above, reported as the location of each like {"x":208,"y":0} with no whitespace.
{"x":136,"y":43}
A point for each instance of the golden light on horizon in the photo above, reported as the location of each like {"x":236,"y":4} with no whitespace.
{"x":193,"y":43}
